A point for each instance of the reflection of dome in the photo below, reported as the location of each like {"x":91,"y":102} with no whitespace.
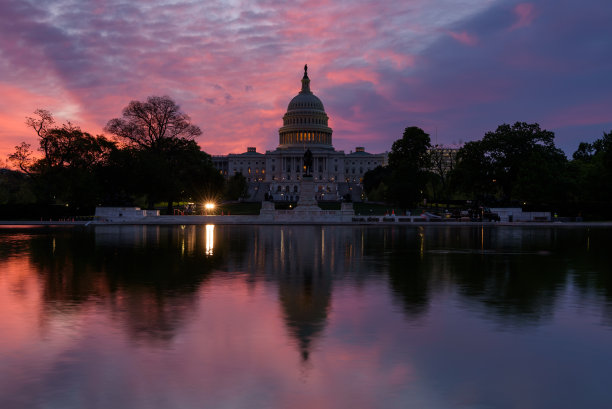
{"x":305,"y":301}
{"x":305,"y":122}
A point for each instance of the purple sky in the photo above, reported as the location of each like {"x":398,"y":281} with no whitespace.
{"x":456,"y":68}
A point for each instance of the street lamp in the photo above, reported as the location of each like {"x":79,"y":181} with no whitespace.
{"x":209,"y":206}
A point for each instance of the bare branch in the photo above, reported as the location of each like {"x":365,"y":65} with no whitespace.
{"x":22,"y":157}
{"x":147,"y":124}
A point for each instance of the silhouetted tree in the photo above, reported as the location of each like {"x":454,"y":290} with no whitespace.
{"x":42,"y":122}
{"x":442,"y":166}
{"x":149,"y":124}
{"x":404,"y":180}
{"x":168,"y":163}
{"x":409,"y":163}
{"x":514,"y":162}
{"x":591,"y":170}
{"x":236,"y":187}
{"x":22,"y":157}
{"x":375,"y":183}
{"x":68,"y":171}
{"x":71,"y":165}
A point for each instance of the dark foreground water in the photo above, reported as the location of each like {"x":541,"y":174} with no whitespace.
{"x":305,"y":317}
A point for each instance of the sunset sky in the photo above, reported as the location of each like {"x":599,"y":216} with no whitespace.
{"x":456,"y":68}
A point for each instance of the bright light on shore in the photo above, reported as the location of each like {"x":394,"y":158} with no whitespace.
{"x":209,"y":206}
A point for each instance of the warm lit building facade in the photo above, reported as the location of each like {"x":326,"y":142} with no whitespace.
{"x":276,"y":174}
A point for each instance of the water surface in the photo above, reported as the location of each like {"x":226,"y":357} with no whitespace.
{"x":305,"y":316}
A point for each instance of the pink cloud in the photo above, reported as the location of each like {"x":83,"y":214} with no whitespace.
{"x":350,"y":75}
{"x":525,"y":13}
{"x":464,"y":37}
{"x":593,"y":113}
{"x":235,"y":70}
{"x":397,"y":60}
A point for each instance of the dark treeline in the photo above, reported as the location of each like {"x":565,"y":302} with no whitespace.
{"x":151,"y":157}
{"x":517,"y":165}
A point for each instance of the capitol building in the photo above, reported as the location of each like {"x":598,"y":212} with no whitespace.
{"x":276,"y":174}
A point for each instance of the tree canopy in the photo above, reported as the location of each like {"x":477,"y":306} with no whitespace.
{"x":411,"y":150}
{"x":169,"y":164}
{"x":148,"y":124}
{"x":408,"y":172}
{"x":511,"y":162}
{"x":592,"y":170}
{"x":160,"y":161}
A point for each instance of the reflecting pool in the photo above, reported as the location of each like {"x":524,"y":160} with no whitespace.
{"x":305,"y":317}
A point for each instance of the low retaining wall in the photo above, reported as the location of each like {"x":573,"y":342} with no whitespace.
{"x":134,"y":215}
{"x":122,"y":214}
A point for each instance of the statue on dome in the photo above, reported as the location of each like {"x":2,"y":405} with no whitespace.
{"x":308,"y":162}
{"x":305,"y":70}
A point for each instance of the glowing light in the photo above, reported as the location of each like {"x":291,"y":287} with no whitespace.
{"x":210,"y":239}
{"x":209,"y":207}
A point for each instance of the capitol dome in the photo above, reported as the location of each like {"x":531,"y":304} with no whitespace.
{"x":305,"y":124}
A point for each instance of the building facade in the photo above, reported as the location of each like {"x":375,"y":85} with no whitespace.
{"x":276,"y":174}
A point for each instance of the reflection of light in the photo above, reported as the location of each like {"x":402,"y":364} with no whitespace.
{"x":482,"y":238}
{"x":210,"y":239}
{"x":322,"y":244}
{"x":588,"y":240}
{"x":282,"y":245}
{"x":422,"y":241}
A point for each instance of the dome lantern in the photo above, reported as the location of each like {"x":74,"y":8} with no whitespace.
{"x":305,"y":122}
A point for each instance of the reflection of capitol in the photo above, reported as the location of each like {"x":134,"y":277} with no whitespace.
{"x":278,"y":251}
{"x":150,"y":278}
{"x":304,"y":261}
{"x":301,"y":260}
